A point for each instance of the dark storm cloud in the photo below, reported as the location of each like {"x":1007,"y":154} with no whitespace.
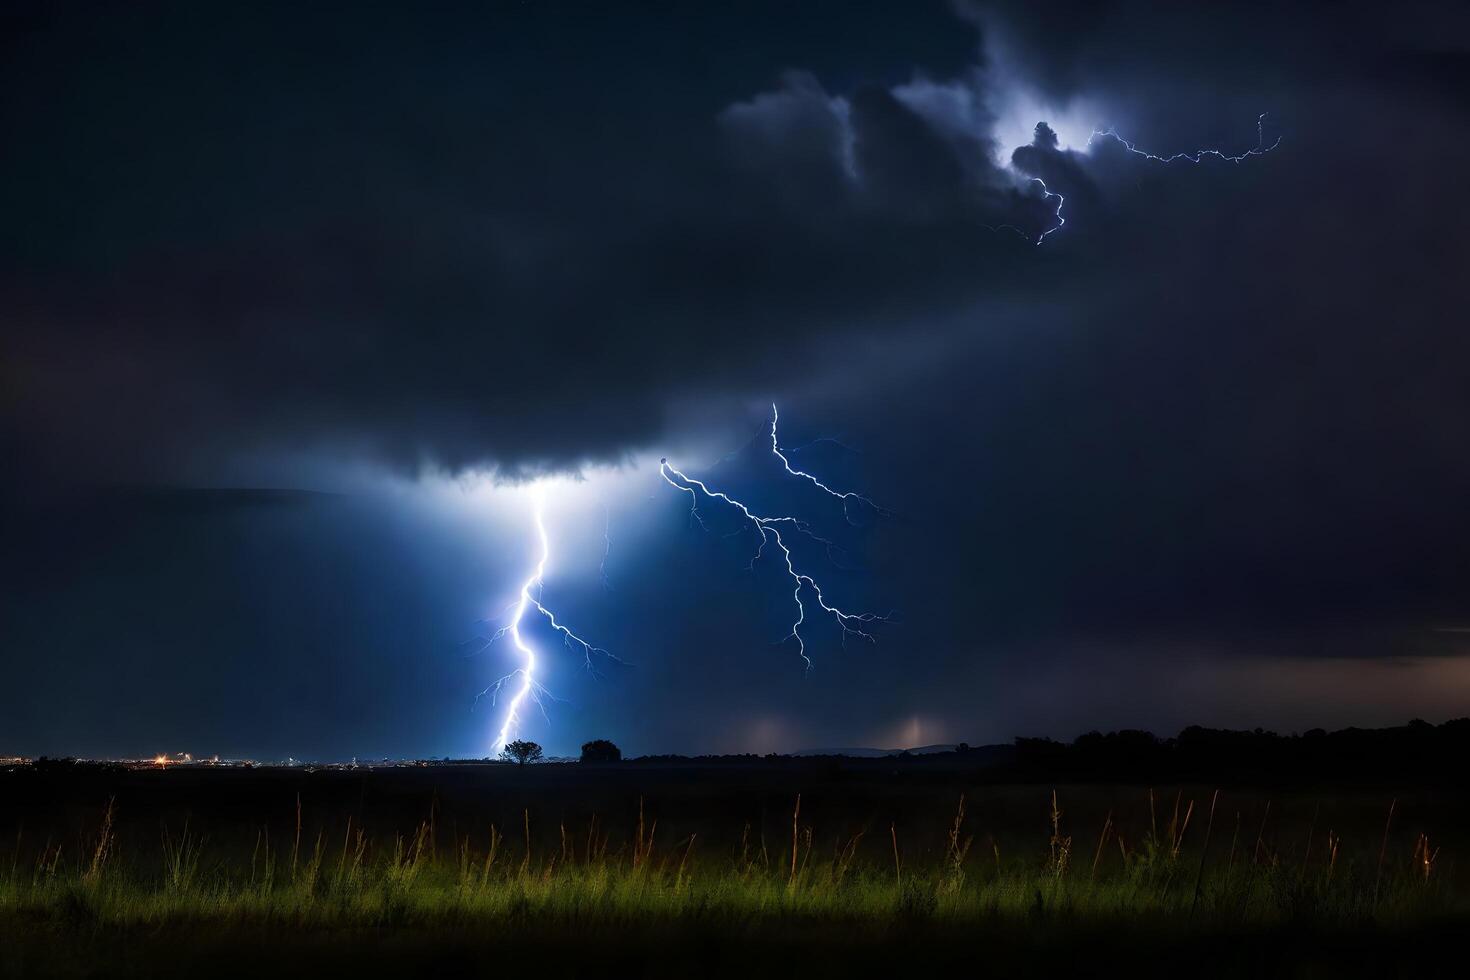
{"x":467,"y":235}
{"x":479,"y":235}
{"x":1234,"y":408}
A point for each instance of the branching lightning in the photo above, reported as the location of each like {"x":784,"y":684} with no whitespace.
{"x":768,"y":529}
{"x":523,"y":679}
{"x":1260,"y":149}
{"x":847,"y":497}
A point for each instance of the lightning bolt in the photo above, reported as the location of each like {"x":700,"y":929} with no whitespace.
{"x":769,"y":528}
{"x":1260,"y":149}
{"x":1046,"y":194}
{"x":522,"y":680}
{"x":606,"y":547}
{"x":847,"y":497}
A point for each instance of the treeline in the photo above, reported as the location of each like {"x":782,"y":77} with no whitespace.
{"x":1417,"y":752}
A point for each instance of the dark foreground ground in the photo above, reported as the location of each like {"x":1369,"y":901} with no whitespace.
{"x":789,"y":948}
{"x":763,"y":868}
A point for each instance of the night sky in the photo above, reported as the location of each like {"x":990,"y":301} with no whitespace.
{"x":301,"y":305}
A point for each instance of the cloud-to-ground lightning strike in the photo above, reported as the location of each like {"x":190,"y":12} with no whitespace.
{"x":769,"y":529}
{"x":528,"y":687}
{"x":1260,"y":149}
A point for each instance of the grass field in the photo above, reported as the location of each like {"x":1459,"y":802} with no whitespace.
{"x":999,"y":878}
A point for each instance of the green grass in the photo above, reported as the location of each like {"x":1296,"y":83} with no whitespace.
{"x":827,"y":905}
{"x":180,"y":904}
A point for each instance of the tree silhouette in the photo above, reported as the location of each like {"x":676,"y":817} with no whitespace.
{"x":601,"y":750}
{"x":521,"y":751}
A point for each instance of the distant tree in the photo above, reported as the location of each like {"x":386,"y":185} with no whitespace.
{"x":521,"y":751}
{"x":601,"y":750}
